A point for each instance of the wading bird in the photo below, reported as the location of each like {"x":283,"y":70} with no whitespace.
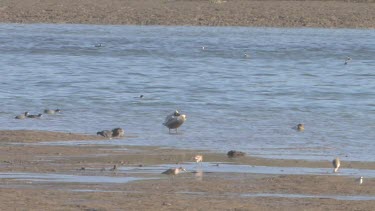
{"x":174,"y":121}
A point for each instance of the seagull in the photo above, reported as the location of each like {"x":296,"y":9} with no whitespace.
{"x":50,"y":111}
{"x":336,"y":164}
{"x":174,"y":171}
{"x":22,"y":116}
{"x":174,"y":121}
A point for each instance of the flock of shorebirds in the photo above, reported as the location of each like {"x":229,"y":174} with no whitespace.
{"x":172,"y":121}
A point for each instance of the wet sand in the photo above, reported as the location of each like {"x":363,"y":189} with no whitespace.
{"x":268,"y":13}
{"x":20,"y":151}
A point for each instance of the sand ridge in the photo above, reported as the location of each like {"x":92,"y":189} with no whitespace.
{"x":269,"y":13}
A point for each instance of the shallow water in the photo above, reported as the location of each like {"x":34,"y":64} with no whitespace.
{"x":206,"y":168}
{"x":64,"y":178}
{"x":231,"y":102}
{"x":285,"y":195}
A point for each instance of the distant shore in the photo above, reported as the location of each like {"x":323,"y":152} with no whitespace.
{"x":268,"y":13}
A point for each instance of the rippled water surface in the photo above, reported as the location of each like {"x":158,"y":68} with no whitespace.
{"x":232,"y":101}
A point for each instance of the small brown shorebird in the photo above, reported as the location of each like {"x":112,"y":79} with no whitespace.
{"x":300,"y":127}
{"x":336,"y":164}
{"x":198,"y":158}
{"x":174,"y":171}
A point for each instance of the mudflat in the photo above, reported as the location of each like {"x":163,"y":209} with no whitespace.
{"x":42,"y":170}
{"x":267,"y":13}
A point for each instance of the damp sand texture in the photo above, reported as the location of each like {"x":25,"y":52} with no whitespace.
{"x":270,"y":13}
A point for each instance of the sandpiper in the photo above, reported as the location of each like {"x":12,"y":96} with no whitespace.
{"x":198,"y":158}
{"x":336,"y":164}
{"x":360,"y":180}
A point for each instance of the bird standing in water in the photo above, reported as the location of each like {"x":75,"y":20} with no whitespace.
{"x":174,"y":120}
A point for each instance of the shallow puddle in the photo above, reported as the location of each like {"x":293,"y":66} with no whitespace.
{"x":337,"y":197}
{"x":64,"y":178}
{"x":231,"y":168}
{"x":286,"y":195}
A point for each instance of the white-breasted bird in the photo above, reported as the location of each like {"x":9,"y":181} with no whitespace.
{"x":360,"y":180}
{"x":336,"y":164}
{"x":198,"y":158}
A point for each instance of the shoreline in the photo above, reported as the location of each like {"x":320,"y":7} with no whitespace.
{"x":26,"y":137}
{"x":59,"y":166}
{"x":245,"y":13}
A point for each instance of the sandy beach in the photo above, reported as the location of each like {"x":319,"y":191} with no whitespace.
{"x":270,"y":13}
{"x":200,"y":188}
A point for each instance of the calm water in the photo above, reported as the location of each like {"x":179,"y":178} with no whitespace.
{"x":232,"y":102}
